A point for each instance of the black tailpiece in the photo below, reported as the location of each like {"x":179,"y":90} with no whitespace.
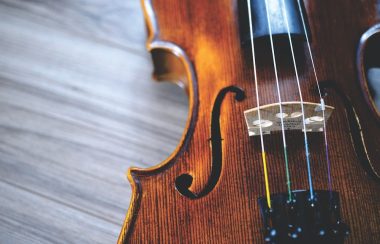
{"x":303,"y":220}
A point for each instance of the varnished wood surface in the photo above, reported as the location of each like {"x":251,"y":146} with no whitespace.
{"x":209,"y":36}
{"x":77,"y":109}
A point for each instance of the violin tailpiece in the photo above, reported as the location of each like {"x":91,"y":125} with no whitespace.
{"x":303,"y":220}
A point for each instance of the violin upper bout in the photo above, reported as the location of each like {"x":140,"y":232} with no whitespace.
{"x":170,"y":62}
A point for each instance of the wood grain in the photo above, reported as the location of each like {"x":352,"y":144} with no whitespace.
{"x":70,"y":123}
{"x":207,"y":33}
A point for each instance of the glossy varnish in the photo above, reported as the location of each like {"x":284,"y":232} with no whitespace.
{"x":204,"y":37}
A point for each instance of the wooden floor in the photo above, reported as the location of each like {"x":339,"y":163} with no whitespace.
{"x":77,"y":109}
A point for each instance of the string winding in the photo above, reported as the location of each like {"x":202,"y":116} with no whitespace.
{"x":322,"y":104}
{"x":321,"y":99}
{"x":263,"y":154}
{"x":307,"y":152}
{"x":280,"y":103}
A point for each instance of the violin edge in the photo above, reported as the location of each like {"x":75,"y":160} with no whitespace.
{"x":361,"y":69}
{"x":154,"y":43}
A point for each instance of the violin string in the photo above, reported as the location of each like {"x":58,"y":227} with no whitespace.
{"x":263,"y":154}
{"x":321,"y":99}
{"x":279,"y":99}
{"x":307,"y":152}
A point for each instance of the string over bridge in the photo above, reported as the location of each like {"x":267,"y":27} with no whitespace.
{"x":291,"y":115}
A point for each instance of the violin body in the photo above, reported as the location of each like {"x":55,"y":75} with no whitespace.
{"x":207,"y":191}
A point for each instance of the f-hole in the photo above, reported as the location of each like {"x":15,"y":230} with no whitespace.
{"x":184,"y":181}
{"x":355,"y":129}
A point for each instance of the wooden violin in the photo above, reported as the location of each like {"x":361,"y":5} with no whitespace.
{"x":282,"y":143}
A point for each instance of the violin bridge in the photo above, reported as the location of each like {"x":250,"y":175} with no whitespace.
{"x":292,"y":116}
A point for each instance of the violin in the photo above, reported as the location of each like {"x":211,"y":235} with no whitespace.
{"x":282,"y":142}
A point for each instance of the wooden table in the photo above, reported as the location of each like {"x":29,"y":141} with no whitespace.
{"x":77,"y":109}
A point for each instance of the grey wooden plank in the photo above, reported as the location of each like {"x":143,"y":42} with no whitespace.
{"x":77,"y":108}
{"x":22,"y":220}
{"x":114,"y":21}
